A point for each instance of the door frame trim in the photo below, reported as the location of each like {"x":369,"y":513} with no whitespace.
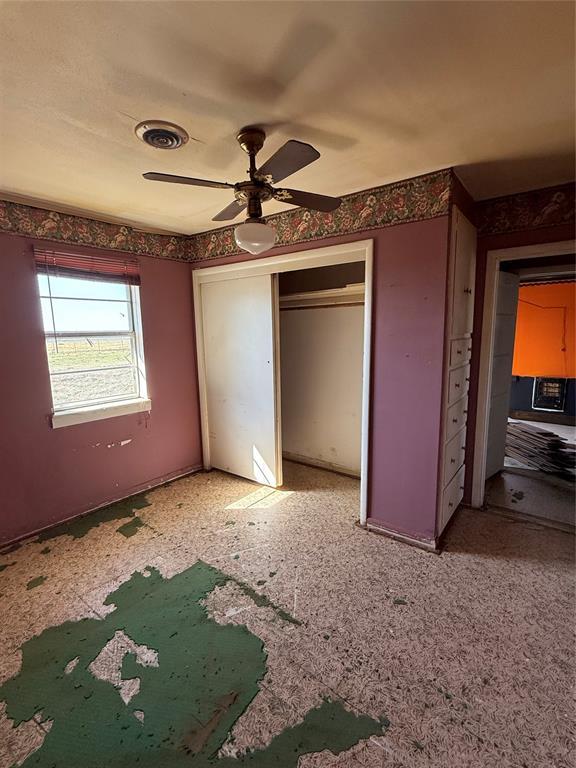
{"x":493,"y":259}
{"x":343,"y":253}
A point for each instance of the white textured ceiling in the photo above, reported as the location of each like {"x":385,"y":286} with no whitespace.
{"x":385,"y":91}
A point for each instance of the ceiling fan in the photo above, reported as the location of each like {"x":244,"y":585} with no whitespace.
{"x":255,"y":235}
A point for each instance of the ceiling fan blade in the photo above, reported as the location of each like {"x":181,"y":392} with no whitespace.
{"x":307,"y":199}
{"x":151,"y":176}
{"x":287,"y":160}
{"x":230,"y":212}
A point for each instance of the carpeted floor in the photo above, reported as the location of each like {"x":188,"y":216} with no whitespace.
{"x":463,"y":659}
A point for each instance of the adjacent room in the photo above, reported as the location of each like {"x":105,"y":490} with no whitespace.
{"x":531,"y":442}
{"x":288,"y":425}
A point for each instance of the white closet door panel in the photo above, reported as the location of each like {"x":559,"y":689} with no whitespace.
{"x":239,"y":328}
{"x":503,"y":353}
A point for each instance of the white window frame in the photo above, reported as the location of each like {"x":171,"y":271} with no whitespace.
{"x":81,"y":413}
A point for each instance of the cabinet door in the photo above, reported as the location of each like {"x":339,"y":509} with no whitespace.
{"x":464,"y":276}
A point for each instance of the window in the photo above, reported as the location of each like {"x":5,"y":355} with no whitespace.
{"x":93,"y":338}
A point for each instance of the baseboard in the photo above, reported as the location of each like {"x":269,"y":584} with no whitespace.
{"x":319,"y":464}
{"x":156,"y":483}
{"x":430,"y":545}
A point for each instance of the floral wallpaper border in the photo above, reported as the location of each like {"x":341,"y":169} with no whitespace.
{"x":18,"y":219}
{"x":423,"y":197}
{"x":417,"y":199}
{"x":527,"y":210}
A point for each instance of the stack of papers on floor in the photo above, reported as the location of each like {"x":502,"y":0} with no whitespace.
{"x":539,"y":449}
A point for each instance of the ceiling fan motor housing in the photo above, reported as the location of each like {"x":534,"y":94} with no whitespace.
{"x":161,"y":135}
{"x":253,"y":193}
{"x":251,"y":139}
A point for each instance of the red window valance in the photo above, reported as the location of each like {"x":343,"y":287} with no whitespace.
{"x":92,"y":267}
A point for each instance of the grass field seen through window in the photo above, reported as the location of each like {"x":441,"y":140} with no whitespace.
{"x":70,"y":361}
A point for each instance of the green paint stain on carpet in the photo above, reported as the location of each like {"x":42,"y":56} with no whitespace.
{"x":3,"y":566}
{"x":131,"y":528}
{"x":45,"y":551}
{"x":33,"y":583}
{"x":80,"y":526}
{"x":206,"y":676}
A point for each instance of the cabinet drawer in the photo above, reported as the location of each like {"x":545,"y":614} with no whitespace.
{"x":460,"y":351}
{"x":454,"y":452}
{"x":455,"y":418}
{"x":451,"y":497}
{"x":458,"y":381}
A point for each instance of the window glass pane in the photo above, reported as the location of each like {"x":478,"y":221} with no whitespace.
{"x":78,"y":288}
{"x":76,"y":388}
{"x":81,"y":353}
{"x":47,"y":316}
{"x":43,"y":284}
{"x":71,"y":315}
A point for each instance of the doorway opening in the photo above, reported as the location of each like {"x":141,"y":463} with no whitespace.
{"x":321,"y":351}
{"x":528,"y":452}
{"x":284,"y":363}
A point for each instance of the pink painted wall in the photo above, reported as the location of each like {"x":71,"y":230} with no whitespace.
{"x":48,"y":475}
{"x":410,"y":273}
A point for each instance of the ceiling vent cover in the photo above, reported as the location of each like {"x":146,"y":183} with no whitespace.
{"x":161,"y":135}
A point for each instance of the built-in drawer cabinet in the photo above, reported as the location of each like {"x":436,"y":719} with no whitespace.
{"x":454,"y":453}
{"x":452,"y":496}
{"x":460,"y":351}
{"x":457,"y":356}
{"x":458,"y":383}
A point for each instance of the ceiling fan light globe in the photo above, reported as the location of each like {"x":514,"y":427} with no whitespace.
{"x":254,"y":237}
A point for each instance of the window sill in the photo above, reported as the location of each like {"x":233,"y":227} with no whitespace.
{"x":98,"y":412}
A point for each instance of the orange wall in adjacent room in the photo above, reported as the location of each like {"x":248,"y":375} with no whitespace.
{"x":545,"y":331}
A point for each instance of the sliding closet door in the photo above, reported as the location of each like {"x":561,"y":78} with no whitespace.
{"x":240,"y":326}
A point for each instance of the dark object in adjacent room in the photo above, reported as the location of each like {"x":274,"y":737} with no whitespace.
{"x":549,"y":394}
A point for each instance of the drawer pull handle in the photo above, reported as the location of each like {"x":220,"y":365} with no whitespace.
{"x":450,"y":504}
{"x":452,"y":461}
{"x":464,"y":411}
{"x":454,"y":421}
{"x":468,"y":290}
{"x":469,"y":349}
{"x":468,"y":378}
{"x":457,"y":385}
{"x":458,"y":351}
